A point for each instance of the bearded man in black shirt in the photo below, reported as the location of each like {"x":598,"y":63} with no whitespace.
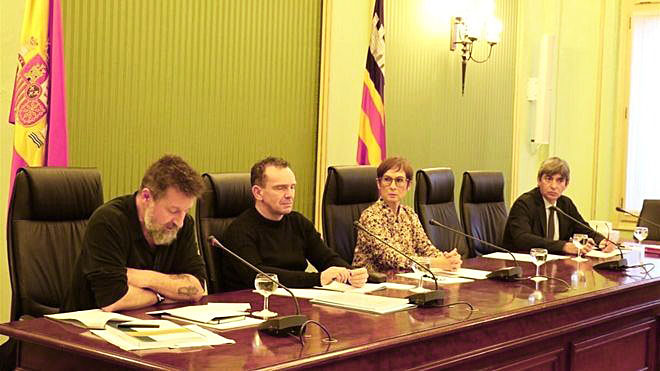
{"x":279,"y":240}
{"x":140,"y":249}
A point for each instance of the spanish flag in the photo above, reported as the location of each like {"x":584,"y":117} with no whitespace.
{"x":38,"y":106}
{"x":371,"y":136}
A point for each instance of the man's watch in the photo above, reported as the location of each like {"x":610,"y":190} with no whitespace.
{"x":160,"y":298}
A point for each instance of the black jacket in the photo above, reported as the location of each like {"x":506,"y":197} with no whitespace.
{"x":526,"y":225}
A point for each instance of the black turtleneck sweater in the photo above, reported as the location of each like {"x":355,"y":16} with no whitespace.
{"x":281,"y":247}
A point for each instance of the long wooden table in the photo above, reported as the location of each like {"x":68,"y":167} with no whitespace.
{"x":604,"y":321}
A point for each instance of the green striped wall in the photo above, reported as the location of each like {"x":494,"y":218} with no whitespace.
{"x":221,"y":83}
{"x":428,"y":121}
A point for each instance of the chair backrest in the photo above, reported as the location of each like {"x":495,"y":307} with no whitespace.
{"x":48,"y":213}
{"x":651,"y":212}
{"x":434,"y":199}
{"x":348,"y":191}
{"x":225,"y":197}
{"x":482,"y":208}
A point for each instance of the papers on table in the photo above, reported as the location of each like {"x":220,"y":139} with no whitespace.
{"x":397,"y":286}
{"x":302,"y":293}
{"x":343,"y":287}
{"x":210,"y":314}
{"x":92,"y":318}
{"x":601,"y":254}
{"x":167,"y":335}
{"x":364,"y":303}
{"x":521,"y":257}
{"x":442,"y":280}
{"x":463,"y":272}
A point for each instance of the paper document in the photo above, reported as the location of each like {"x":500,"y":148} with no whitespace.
{"x":167,"y":335}
{"x":91,"y":319}
{"x":442,"y":280}
{"x":343,"y":287}
{"x":212,"y":313}
{"x":397,"y":286}
{"x":364,"y":303}
{"x":521,"y":257}
{"x":601,"y":254}
{"x":228,"y":325}
{"x":302,"y":293}
{"x":476,"y":274}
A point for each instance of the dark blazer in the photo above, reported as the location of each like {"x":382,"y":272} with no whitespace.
{"x":526,"y":225}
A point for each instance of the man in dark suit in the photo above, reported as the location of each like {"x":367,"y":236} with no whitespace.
{"x":532,"y":223}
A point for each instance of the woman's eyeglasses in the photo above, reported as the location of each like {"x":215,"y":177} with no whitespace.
{"x":400,"y":182}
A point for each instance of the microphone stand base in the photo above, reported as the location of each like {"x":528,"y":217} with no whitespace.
{"x":283,"y":325}
{"x":506,"y":274}
{"x":428,"y":299}
{"x":614,"y":265}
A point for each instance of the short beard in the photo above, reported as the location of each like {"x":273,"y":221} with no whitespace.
{"x":159,"y":234}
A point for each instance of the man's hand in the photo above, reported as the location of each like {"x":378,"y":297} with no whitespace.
{"x":358,"y":277}
{"x":335,"y":274}
{"x":607,"y":246}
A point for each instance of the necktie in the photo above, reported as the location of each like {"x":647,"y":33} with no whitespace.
{"x":551,"y":225}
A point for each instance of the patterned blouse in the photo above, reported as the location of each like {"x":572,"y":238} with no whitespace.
{"x":403,"y":231}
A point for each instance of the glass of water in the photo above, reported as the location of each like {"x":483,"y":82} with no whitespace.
{"x":265,"y":287}
{"x":580,"y":241}
{"x":540,"y":256}
{"x":418,"y":268}
{"x":640,"y":234}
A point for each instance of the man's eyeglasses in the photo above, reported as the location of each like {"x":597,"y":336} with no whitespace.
{"x":400,"y":182}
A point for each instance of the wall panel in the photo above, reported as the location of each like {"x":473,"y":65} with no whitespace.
{"x":222,"y":83}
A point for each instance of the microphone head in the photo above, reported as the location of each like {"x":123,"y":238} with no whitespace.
{"x":211,"y":239}
{"x":620,"y":210}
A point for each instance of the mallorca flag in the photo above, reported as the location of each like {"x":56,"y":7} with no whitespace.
{"x":38,"y":106}
{"x":371,"y":135}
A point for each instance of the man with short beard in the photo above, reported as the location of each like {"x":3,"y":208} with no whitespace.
{"x":140,"y":249}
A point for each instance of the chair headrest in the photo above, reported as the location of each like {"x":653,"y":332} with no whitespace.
{"x":233,"y":193}
{"x":57,"y":194}
{"x":354,"y":184}
{"x":437,"y":185}
{"x":484,"y":186}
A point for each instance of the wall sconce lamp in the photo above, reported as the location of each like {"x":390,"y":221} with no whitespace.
{"x":465,"y":33}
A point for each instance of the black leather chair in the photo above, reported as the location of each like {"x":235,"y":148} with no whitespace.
{"x":48,"y":214}
{"x":482,"y":208}
{"x":434,"y":199}
{"x":348,"y":191}
{"x":650,"y":211}
{"x":226,"y":196}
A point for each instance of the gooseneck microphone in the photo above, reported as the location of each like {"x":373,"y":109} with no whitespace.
{"x":278,"y":326}
{"x":614,"y":265}
{"x":504,"y":274}
{"x":423,"y":299}
{"x":621,"y":210}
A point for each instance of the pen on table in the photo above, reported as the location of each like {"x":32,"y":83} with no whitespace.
{"x":138,"y":325}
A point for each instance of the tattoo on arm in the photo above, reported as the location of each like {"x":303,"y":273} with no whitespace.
{"x":187,"y":291}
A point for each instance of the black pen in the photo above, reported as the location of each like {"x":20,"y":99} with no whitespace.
{"x":138,"y":325}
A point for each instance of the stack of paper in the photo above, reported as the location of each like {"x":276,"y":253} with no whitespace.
{"x":463,"y":272}
{"x":365,"y":303}
{"x":214,"y":315}
{"x":444,"y":280}
{"x":342,"y":287}
{"x":521,"y":257}
{"x":166,"y":335}
{"x":91,"y":319}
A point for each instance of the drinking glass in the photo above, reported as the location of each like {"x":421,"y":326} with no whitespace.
{"x":540,"y":256}
{"x":579,"y":240}
{"x":640,"y":234}
{"x":265,"y":287}
{"x":423,"y":261}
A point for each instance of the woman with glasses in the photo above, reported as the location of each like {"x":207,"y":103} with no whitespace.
{"x":397,"y":224}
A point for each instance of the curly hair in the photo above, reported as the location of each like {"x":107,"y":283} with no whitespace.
{"x":172,"y":171}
